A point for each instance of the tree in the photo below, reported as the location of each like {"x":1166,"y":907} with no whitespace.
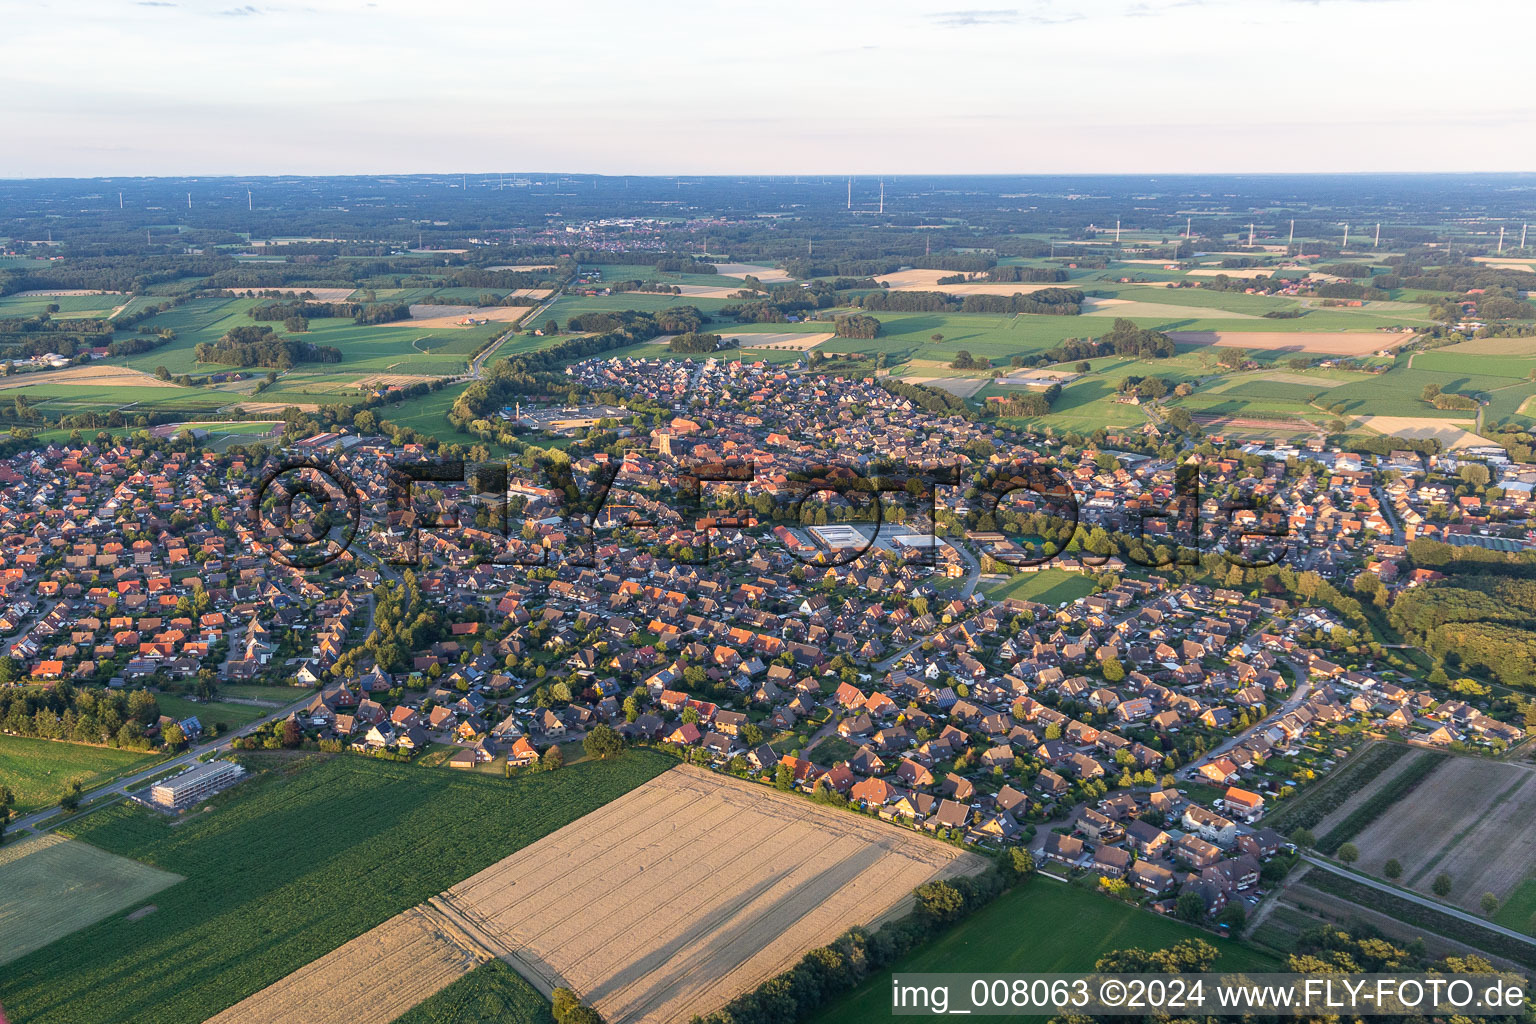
{"x":551,"y":327}
{"x":1189,"y":906}
{"x":1349,"y":853}
{"x":1441,"y":885}
{"x":562,"y":1002}
{"x":1489,"y":903}
{"x":7,"y":798}
{"x":1113,"y":670}
{"x":602,"y":743}
{"x":783,"y":778}
{"x":174,"y":736}
{"x":70,"y":801}
{"x":1392,"y":869}
{"x":552,"y":758}
{"x":940,"y":901}
{"x":1303,"y":837}
{"x":752,"y":734}
{"x":1233,"y":916}
{"x":292,"y":734}
{"x":1020,"y":861}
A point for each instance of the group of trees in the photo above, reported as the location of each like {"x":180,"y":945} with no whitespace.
{"x":258,"y":346}
{"x":78,"y":714}
{"x":856,"y":325}
{"x":1045,"y":302}
{"x":1482,"y":616}
{"x":828,"y":971}
{"x":694,"y":341}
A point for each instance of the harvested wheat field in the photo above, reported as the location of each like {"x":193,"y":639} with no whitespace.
{"x":1470,"y":818}
{"x":690,"y":889}
{"x":1245,"y":273}
{"x":324,"y":294}
{"x":277,"y":407}
{"x":1166,"y":310}
{"x":371,"y":980}
{"x":51,"y":886}
{"x":791,"y":340}
{"x":90,"y":375}
{"x":709,"y":291}
{"x":387,"y":380}
{"x":960,"y":387}
{"x":40,"y":292}
{"x":1338,"y":343}
{"x":450,"y":316}
{"x":928,"y":281}
{"x":767,"y":275}
{"x":1450,"y":433}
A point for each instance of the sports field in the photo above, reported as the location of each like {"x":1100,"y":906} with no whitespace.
{"x":51,"y":886}
{"x":1040,"y":926}
{"x":38,"y":772}
{"x":289,"y":866}
{"x":1048,"y":586}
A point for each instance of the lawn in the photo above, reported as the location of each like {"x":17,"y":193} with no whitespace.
{"x":290,"y":865}
{"x":232,"y":715}
{"x":1042,"y":926}
{"x":41,"y":771}
{"x":492,"y":993}
{"x":1047,"y":586}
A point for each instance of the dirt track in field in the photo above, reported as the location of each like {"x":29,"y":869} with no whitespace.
{"x":371,"y":980}
{"x":688,"y":890}
{"x":1470,"y":819}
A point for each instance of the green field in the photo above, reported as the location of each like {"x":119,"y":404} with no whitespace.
{"x":1047,"y":586}
{"x":51,"y":887}
{"x":232,"y":715}
{"x":290,"y":865}
{"x":41,"y":771}
{"x":492,"y":993}
{"x":1519,"y":909}
{"x":69,"y":305}
{"x":1042,"y":926}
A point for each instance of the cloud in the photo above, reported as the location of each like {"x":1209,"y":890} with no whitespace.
{"x":157,"y":3}
{"x":961,"y":19}
{"x":1002,"y":16}
{"x":241,"y":12}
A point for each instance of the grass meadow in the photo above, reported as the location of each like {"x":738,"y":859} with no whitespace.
{"x":1041,"y":926}
{"x":39,"y":772}
{"x":312,"y":852}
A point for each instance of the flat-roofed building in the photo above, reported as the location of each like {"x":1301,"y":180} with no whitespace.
{"x":194,"y":784}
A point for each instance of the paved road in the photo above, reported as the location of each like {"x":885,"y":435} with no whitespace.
{"x":477,"y":366}
{"x":1413,"y":897}
{"x":103,"y":795}
{"x":965,"y":592}
{"x":1290,"y":704}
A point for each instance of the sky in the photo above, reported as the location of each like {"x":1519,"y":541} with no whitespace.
{"x":173,"y":87}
